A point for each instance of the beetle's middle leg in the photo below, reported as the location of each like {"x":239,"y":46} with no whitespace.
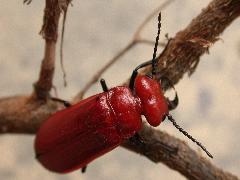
{"x":104,"y":85}
{"x":83,"y":170}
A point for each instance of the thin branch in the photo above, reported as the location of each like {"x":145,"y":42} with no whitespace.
{"x":63,"y":5}
{"x":135,"y":40}
{"x":49,"y":32}
{"x":61,"y":46}
{"x":44,"y":84}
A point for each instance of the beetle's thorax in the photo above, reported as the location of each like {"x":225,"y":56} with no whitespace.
{"x":153,"y":103}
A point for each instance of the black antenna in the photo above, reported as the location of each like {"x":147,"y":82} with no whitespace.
{"x":170,"y":118}
{"x":154,"y":61}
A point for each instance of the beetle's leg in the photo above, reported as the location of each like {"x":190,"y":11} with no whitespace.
{"x":65,"y":103}
{"x":84,"y":169}
{"x":104,"y":85}
{"x":137,"y":140}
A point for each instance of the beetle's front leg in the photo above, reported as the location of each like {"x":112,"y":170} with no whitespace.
{"x":104,"y":85}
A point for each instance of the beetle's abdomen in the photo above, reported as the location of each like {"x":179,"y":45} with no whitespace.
{"x":154,"y":105}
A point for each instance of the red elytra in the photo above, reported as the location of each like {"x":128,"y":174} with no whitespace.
{"x":75,"y":136}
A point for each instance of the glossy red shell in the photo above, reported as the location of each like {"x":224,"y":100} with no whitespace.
{"x":154,"y":105}
{"x":75,"y":136}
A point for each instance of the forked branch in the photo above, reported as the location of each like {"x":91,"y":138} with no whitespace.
{"x":49,"y":32}
{"x":23,"y":115}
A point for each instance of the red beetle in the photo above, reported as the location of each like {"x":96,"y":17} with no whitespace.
{"x":75,"y":136}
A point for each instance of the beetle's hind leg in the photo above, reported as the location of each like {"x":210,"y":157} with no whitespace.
{"x":65,"y":103}
{"x":137,"y":140}
{"x":83,"y":170}
{"x":104,"y":85}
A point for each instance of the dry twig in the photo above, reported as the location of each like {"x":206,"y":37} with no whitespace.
{"x":49,"y":32}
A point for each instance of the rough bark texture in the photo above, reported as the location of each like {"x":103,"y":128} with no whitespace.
{"x":51,"y":17}
{"x":184,"y":51}
{"x":49,"y":32}
{"x":24,"y":114}
{"x":44,"y":84}
{"x":184,"y":160}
